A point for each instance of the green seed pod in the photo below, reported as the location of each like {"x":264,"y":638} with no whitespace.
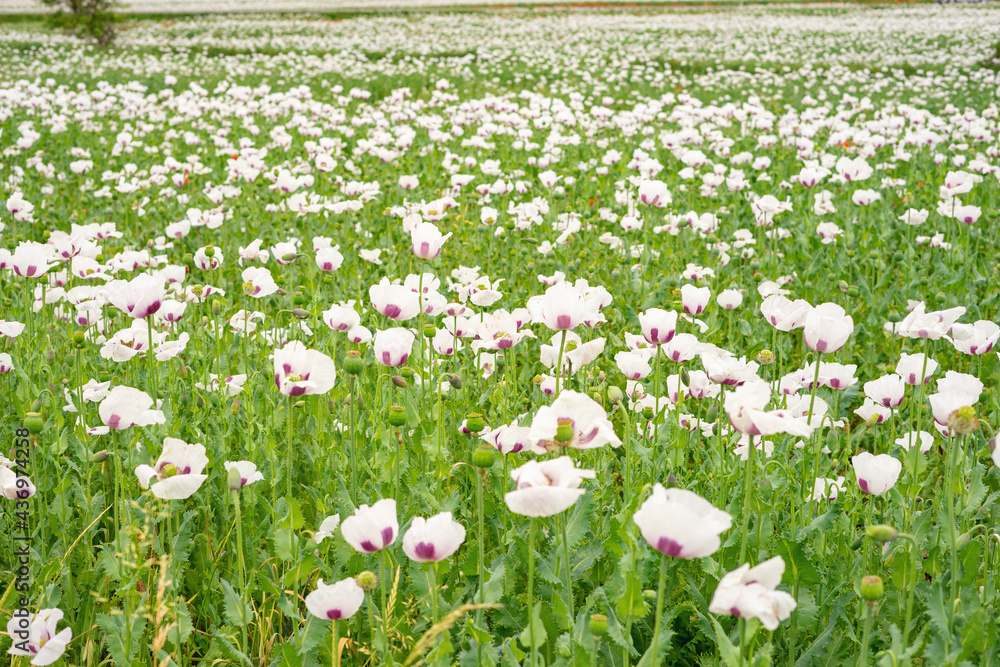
{"x":429,"y":330}
{"x":353,"y":362}
{"x":963,"y":420}
{"x":483,"y":457}
{"x":298,"y":299}
{"x":397,"y":416}
{"x":598,"y":625}
{"x":406,"y":372}
{"x":168,"y":471}
{"x":367,"y":581}
{"x":853,"y":292}
{"x":765,"y":357}
{"x":754,"y":264}
{"x":872,"y":588}
{"x":33,"y":422}
{"x":564,"y":430}
{"x":79,"y":337}
{"x":210,"y":251}
{"x":475,"y":422}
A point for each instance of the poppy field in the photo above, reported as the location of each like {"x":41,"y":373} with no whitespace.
{"x":513,"y":337}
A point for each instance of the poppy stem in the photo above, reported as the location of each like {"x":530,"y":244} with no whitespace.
{"x":659,"y":609}
{"x":747,"y":489}
{"x":354,"y":443}
{"x":569,"y":581}
{"x":531,"y":588}
{"x":334,"y":653}
{"x":807,"y":483}
{"x":562,"y":346}
{"x":151,"y":380}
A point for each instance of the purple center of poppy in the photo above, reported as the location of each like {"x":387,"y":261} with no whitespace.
{"x":114,"y":421}
{"x":563,"y":322}
{"x":864,"y":485}
{"x":424,"y":550}
{"x":334,"y":614}
{"x":670,"y":547}
{"x":392,"y":311}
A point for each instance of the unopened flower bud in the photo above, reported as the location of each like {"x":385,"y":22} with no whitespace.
{"x":671,"y":481}
{"x":400,"y":381}
{"x":475,"y":422}
{"x":872,"y":420}
{"x":289,"y":257}
{"x":367,"y":581}
{"x":300,"y":313}
{"x":455,"y":381}
{"x":881,"y":532}
{"x":234,"y":479}
{"x":483,"y":457}
{"x":615,"y":394}
{"x":962,"y":541}
{"x":353,"y":362}
{"x":397,"y":416}
{"x":598,"y":625}
{"x":712,"y":413}
{"x":235,"y":407}
{"x":100,"y":457}
{"x":872,"y":588}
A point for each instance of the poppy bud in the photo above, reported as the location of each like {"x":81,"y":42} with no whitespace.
{"x":300,"y":313}
{"x":397,"y":416}
{"x":289,"y":257}
{"x":615,"y":394}
{"x":872,"y":420}
{"x":598,"y":625}
{"x":400,"y":381}
{"x":475,"y":422}
{"x":216,"y":307}
{"x":297,"y":404}
{"x":33,"y":422}
{"x":235,"y":407}
{"x":353,"y":362}
{"x":455,"y":381}
{"x":831,"y":440}
{"x":765,"y":489}
{"x":881,"y":533}
{"x":843,"y":286}
{"x":234,"y":480}
{"x":649,"y":594}
{"x":483,"y":457}
{"x":671,"y":481}
{"x":872,"y":588}
{"x":712,"y":414}
{"x":962,"y":541}
{"x":367,"y":581}
{"x":100,"y":457}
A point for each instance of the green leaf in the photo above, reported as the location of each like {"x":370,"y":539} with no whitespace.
{"x":228,"y":650}
{"x":977,"y":491}
{"x":800,"y":566}
{"x":539,"y":629}
{"x":494,"y":584}
{"x":312,"y":634}
{"x":631,"y":603}
{"x":730,"y":654}
{"x":237,"y":612}
{"x":121,"y":635}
